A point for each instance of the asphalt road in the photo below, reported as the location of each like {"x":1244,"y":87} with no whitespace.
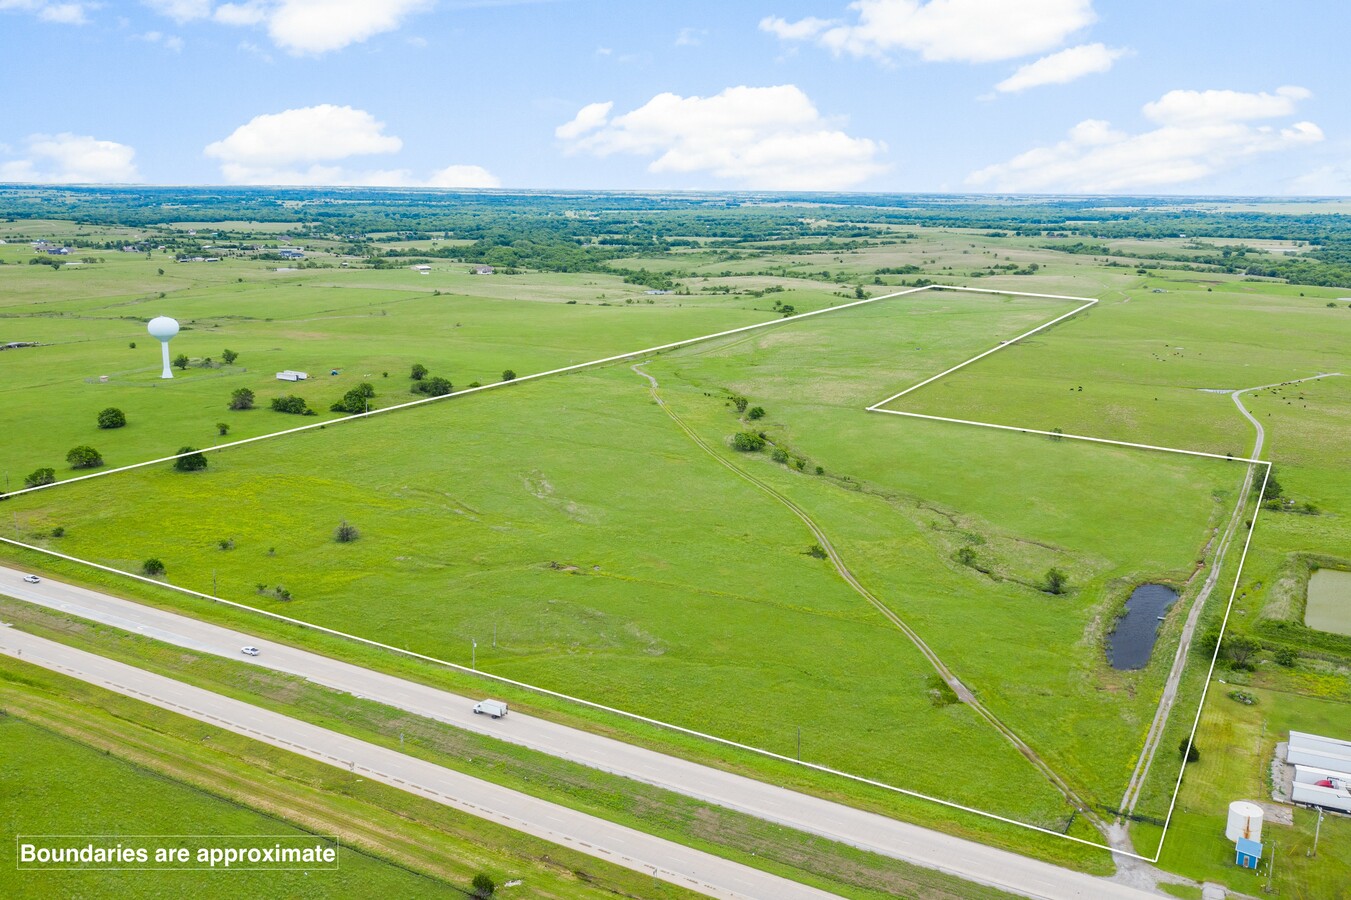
{"x":632,"y":849}
{"x":869,"y":831}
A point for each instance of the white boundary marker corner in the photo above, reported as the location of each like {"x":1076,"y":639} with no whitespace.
{"x":1086,"y":302}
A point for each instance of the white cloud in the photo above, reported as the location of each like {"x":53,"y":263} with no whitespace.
{"x":944,"y":30}
{"x":767,"y":138}
{"x":589,"y":117}
{"x":72,"y":159}
{"x":59,"y":13}
{"x":181,"y":10}
{"x":299,"y":26}
{"x":309,"y":146}
{"x":1199,"y":133}
{"x":168,"y":41}
{"x":1062,"y":67}
{"x":691,"y":37}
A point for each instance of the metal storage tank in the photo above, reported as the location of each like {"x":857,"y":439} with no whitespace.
{"x":1245,"y":821}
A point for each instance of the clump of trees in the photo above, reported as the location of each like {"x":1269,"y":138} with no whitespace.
{"x":112,"y":417}
{"x":190,"y":460}
{"x":356,"y":400}
{"x":435,"y":386}
{"x":292,"y":404}
{"x":241,"y":398}
{"x":747,"y":442}
{"x":84,"y":457}
{"x":40,"y":477}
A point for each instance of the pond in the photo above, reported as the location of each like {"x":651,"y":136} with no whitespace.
{"x":1132,"y":641}
{"x":1329,"y":604}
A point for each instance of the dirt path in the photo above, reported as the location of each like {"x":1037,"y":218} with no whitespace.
{"x":963,"y":692}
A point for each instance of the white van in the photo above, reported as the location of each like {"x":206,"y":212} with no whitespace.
{"x":495,"y":708}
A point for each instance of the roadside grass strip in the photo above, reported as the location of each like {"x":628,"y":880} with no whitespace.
{"x":878,"y":407}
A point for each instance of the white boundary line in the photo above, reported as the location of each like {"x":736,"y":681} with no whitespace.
{"x":876,"y":407}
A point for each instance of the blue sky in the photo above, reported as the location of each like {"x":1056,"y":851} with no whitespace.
{"x":1045,"y":96}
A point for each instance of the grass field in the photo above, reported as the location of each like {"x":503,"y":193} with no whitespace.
{"x":591,"y":590}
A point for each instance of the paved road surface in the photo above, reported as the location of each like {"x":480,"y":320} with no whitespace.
{"x":667,"y":860}
{"x":869,"y":831}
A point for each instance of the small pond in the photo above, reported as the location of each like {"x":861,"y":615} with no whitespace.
{"x":1329,"y":604}
{"x":1132,"y":641}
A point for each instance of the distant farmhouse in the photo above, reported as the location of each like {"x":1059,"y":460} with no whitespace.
{"x":291,"y":252}
{"x":483,"y":270}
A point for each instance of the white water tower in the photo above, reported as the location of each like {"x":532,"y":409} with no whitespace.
{"x":162,"y":328}
{"x":1245,"y":821}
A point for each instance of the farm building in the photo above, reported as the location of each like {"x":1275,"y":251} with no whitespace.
{"x":289,"y":375}
{"x":483,"y":270}
{"x":422,"y":270}
{"x":1322,"y":771}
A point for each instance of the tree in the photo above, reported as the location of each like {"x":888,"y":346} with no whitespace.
{"x":40,"y":477}
{"x":419,"y":372}
{"x":161,"y":271}
{"x":222,"y":428}
{"x":435,"y":386}
{"x":181,"y":361}
{"x":1056,"y":581}
{"x":757,"y":412}
{"x":1187,"y":750}
{"x":747,"y":441}
{"x":112,"y":417}
{"x":1284,"y":656}
{"x":1274,"y":490}
{"x":788,"y":310}
{"x":292,"y":404}
{"x":194,"y":461}
{"x":84,"y":457}
{"x":346,"y":533}
{"x":152,"y":566}
{"x":508,"y":375}
{"x":740,"y":403}
{"x":241,"y":398}
{"x":229,"y":356}
{"x":859,"y":293}
{"x":483,"y":885}
{"x":1240,"y":649}
{"x":356,"y":400}
{"x":816,"y":551}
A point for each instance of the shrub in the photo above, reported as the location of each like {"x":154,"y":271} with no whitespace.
{"x":40,"y":477}
{"x":740,"y":403}
{"x":112,"y":417}
{"x":1284,"y":656}
{"x":820,"y":470}
{"x":419,"y":372}
{"x":152,"y":566}
{"x":292,"y":404}
{"x":779,"y":455}
{"x":757,"y":412}
{"x":241,"y":398}
{"x":747,"y":441}
{"x":84,"y":457}
{"x":181,"y":361}
{"x":1243,"y":697}
{"x":436,"y":387}
{"x":222,"y":428}
{"x":1056,"y":581}
{"x":1187,"y":751}
{"x":345,"y":533}
{"x":508,"y":375}
{"x":193,"y":461}
{"x":59,"y":531}
{"x":483,"y":885}
{"x":229,"y":356}
{"x":816,"y":551}
{"x":226,"y":543}
{"x":966,"y":556}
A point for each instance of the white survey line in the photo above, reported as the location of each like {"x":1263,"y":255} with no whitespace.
{"x":876,"y":407}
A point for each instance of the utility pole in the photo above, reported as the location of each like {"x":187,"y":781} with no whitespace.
{"x":213,"y":582}
{"x":1271,"y":867}
{"x":1316,"y":829}
{"x":473,"y":655}
{"x":494,"y":635}
{"x":799,"y":743}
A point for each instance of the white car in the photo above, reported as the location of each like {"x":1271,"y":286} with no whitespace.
{"x":31,"y":579}
{"x":249,"y":651}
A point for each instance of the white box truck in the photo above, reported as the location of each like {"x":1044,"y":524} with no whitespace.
{"x":495,"y":708}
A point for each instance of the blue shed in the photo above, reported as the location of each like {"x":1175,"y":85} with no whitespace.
{"x":1247,"y":853}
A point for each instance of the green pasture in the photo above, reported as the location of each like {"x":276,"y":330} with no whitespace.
{"x":614,"y":560}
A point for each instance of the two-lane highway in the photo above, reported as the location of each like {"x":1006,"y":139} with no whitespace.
{"x":870,"y":831}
